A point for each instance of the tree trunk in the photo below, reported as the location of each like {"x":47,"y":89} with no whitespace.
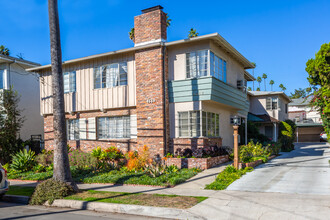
{"x":61,"y":160}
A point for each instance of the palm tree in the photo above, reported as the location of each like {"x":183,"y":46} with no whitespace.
{"x":255,"y":65}
{"x":4,"y":50}
{"x":281,"y":86}
{"x":264,"y":76}
{"x":249,"y":89}
{"x":283,"y":89}
{"x":259,"y":81}
{"x":192,"y":33}
{"x":61,"y":160}
{"x":258,"y":89}
{"x":271,"y":83}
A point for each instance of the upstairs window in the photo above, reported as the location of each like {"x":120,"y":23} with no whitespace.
{"x":69,"y":81}
{"x":271,"y":103}
{"x":218,"y":67}
{"x":197,"y":64}
{"x":109,"y":76}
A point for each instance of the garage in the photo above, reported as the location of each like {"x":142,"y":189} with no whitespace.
{"x":308,"y":132}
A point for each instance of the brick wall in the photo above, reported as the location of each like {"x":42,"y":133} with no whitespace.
{"x":194,"y":143}
{"x":150,"y":26}
{"x":88,"y":145}
{"x":151,"y":90}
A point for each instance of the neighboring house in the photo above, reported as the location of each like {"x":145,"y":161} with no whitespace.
{"x":307,"y":119}
{"x":268,"y":109}
{"x":13,"y":74}
{"x":165,"y":95}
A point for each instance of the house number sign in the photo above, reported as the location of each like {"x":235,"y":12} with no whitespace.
{"x":149,"y":101}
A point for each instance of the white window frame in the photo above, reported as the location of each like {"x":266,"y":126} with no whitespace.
{"x":201,"y":129}
{"x":112,"y":131}
{"x":104,"y":77}
{"x":71,"y":78}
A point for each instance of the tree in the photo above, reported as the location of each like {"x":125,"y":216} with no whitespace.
{"x":62,"y":171}
{"x":259,"y":80}
{"x":249,"y":89}
{"x":132,"y":34}
{"x":271,"y":83}
{"x":192,"y":33}
{"x":318,"y":70}
{"x":298,"y":93}
{"x":255,"y":65}
{"x":4,"y":50}
{"x":258,"y":89}
{"x":11,"y":122}
{"x":168,"y":20}
{"x":264,"y":76}
{"x":281,"y":86}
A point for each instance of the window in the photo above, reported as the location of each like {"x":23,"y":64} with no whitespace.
{"x":218,"y":67}
{"x":269,"y":131}
{"x":1,"y":79}
{"x":271,"y":103}
{"x":286,"y":108}
{"x":73,"y":129}
{"x":112,"y":75}
{"x":69,"y":81}
{"x":113,"y":127}
{"x":199,"y":123}
{"x":197,"y":64}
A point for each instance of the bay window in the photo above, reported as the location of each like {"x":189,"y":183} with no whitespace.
{"x":113,"y":127}
{"x":199,"y":63}
{"x":199,"y":123}
{"x":112,"y":75}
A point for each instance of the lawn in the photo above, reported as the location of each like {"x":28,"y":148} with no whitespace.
{"x":158,"y":200}
{"x":114,"y":176}
{"x":227,"y":177}
{"x":20,"y":190}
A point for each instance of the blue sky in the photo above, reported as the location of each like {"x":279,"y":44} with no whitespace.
{"x":280,"y":36}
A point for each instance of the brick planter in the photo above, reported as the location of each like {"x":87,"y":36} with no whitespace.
{"x":201,"y":163}
{"x":255,"y":163}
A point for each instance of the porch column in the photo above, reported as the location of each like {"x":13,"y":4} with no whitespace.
{"x":246,"y":140}
{"x":275,"y":132}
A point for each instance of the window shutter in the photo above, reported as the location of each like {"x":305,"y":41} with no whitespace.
{"x":82,"y":129}
{"x":91,"y":129}
{"x":133,"y":122}
{"x":269,"y":104}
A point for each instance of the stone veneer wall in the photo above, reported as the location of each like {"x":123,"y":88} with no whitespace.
{"x":194,"y":143}
{"x":88,"y":145}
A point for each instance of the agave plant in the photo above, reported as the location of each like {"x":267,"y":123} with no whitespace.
{"x":23,"y":161}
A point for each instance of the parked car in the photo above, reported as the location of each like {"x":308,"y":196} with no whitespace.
{"x":4,"y":184}
{"x":323,"y":137}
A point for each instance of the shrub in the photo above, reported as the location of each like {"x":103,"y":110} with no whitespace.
{"x":109,"y":158}
{"x":50,"y":190}
{"x":252,"y":152}
{"x":137,"y":160}
{"x":23,"y":161}
{"x":209,"y":151}
{"x":286,"y":135}
{"x":46,"y":158}
{"x":81,"y":159}
{"x":39,"y":168}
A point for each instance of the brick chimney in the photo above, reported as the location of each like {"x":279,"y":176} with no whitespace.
{"x":152,"y":105}
{"x":150,"y":26}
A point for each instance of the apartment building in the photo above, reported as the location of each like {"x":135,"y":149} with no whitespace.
{"x":13,"y":74}
{"x":268,"y":109}
{"x":162,"y":94}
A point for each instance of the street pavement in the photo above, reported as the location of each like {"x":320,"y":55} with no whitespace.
{"x":306,"y":170}
{"x":16,"y":211}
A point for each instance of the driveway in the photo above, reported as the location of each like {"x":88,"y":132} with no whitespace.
{"x":305,"y":170}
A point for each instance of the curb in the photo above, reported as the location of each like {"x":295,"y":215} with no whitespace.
{"x":16,"y":199}
{"x":149,"y":211}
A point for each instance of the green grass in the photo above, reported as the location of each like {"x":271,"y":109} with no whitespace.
{"x":227,"y":177}
{"x":114,"y":176}
{"x":20,"y":191}
{"x":159,"y":200}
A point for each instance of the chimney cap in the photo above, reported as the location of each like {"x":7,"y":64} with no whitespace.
{"x":158,"y":7}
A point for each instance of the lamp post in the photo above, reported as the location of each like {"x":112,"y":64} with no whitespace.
{"x":236,"y":123}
